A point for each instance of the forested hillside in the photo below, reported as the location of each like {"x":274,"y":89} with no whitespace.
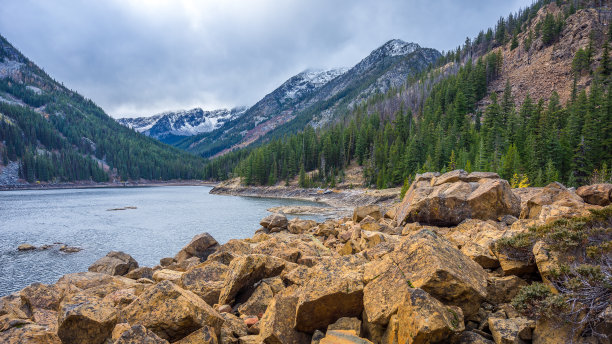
{"x":57,"y":135}
{"x":453,"y":117}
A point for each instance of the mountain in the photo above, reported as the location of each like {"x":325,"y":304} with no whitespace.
{"x":315,"y":98}
{"x":53,"y":134}
{"x":172,"y":126}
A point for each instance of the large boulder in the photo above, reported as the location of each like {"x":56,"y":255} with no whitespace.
{"x":85,"y":318}
{"x":244,"y":271}
{"x":510,"y":331}
{"x":597,"y":194}
{"x":29,"y":334}
{"x":433,"y":264}
{"x":343,"y":337}
{"x":139,"y":334}
{"x":277,"y":324}
{"x":258,"y":302}
{"x":551,"y":203}
{"x":275,"y":222}
{"x":206,"y":280}
{"x":362,"y":212}
{"x":423,"y":319}
{"x":201,"y":246}
{"x":114,"y":263}
{"x":205,"y":335}
{"x":449,"y":199}
{"x":41,"y":296}
{"x":171,"y":312}
{"x":299,"y":226}
{"x":334,"y":290}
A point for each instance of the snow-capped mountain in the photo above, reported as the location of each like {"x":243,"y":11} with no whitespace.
{"x":308,"y":81}
{"x":169,"y":125}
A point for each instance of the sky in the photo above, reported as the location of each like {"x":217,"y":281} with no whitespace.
{"x":142,"y":57}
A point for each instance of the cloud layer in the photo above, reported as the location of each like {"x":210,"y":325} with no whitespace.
{"x":141,"y":57}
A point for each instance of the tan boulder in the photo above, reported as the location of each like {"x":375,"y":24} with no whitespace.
{"x":343,"y":337}
{"x":346,"y":324}
{"x":233,"y":329}
{"x":455,"y":196}
{"x":85,"y":318}
{"x":597,"y":194}
{"x":298,"y":226}
{"x":511,"y":331}
{"x":433,"y":264}
{"x":515,"y":266}
{"x":551,"y":203}
{"x":167,"y":275}
{"x":141,"y":272}
{"x":42,"y":296}
{"x":391,"y":211}
{"x":423,"y":319}
{"x":386,"y":289}
{"x":391,"y":332}
{"x":139,"y":334}
{"x":371,"y":239}
{"x":29,"y":334}
{"x":360,"y":213}
{"x":275,"y":222}
{"x":277,"y":324}
{"x":201,"y":246}
{"x":114,"y":263}
{"x":229,"y":251}
{"x":171,"y":312}
{"x":503,"y":289}
{"x":205,"y":335}
{"x":46,"y":318}
{"x":205,"y":280}
{"x":470,"y":337}
{"x":244,"y":271}
{"x":87,"y":280}
{"x":259,"y":300}
{"x":334,"y":290}
{"x":554,"y":330}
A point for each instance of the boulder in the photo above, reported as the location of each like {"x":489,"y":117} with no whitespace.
{"x":597,"y":194}
{"x":142,"y":272}
{"x":449,"y":199}
{"x":386,"y":289}
{"x":139,"y":334}
{"x":515,"y":266}
{"x":205,"y":335}
{"x":115,"y":264}
{"x":423,"y":319}
{"x":118,"y":330}
{"x":510,"y":331}
{"x":258,"y":302}
{"x":298,"y":226}
{"x":205,"y":280}
{"x":391,"y":333}
{"x":433,"y":264}
{"x":167,"y":261}
{"x":245,"y":271}
{"x":360,"y":213}
{"x":334,"y":290}
{"x":201,"y":246}
{"x":85,"y":319}
{"x":41,"y":296}
{"x":551,"y":203}
{"x":346,"y":324}
{"x":274,"y":222}
{"x":503,"y":289}
{"x":470,"y":337}
{"x":167,"y":275}
{"x":29,"y":334}
{"x":171,"y":312}
{"x":342,"y":337}
{"x":277,"y":324}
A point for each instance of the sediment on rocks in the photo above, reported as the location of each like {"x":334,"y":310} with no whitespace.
{"x":490,"y":265}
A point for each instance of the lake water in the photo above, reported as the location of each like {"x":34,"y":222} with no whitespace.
{"x":165,"y":219}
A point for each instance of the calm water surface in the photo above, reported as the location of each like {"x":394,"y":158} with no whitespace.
{"x":165,"y":220}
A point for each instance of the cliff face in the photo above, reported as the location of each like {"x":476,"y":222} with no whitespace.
{"x":376,"y":277}
{"x":546,"y":68}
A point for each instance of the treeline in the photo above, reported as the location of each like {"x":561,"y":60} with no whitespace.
{"x":73,"y":137}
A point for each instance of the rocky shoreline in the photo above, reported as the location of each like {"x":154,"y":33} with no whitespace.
{"x":94,"y":185}
{"x":463,"y":258}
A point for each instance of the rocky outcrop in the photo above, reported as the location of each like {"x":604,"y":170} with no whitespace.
{"x":115,"y":264}
{"x":450,"y":198}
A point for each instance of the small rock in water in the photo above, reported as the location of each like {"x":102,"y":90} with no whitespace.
{"x":70,"y":249}
{"x":26,"y":247}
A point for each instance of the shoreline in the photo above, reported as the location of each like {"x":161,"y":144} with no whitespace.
{"x":103,"y":185}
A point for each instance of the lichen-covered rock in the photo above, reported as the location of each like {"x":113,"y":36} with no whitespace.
{"x":205,"y":280}
{"x":433,"y":264}
{"x":362,"y":212}
{"x":423,"y":319}
{"x":334,"y":290}
{"x":514,"y":266}
{"x":171,"y":312}
{"x":259,"y":300}
{"x":141,"y":272}
{"x":346,"y":324}
{"x":42,"y":296}
{"x":274,"y":222}
{"x":456,"y":196}
{"x":115,"y":264}
{"x":167,"y":275}
{"x":139,"y":334}
{"x":391,"y":332}
{"x":342,"y":337}
{"x":85,"y":318}
{"x":469,"y":337}
{"x":201,"y":246}
{"x":298,"y":226}
{"x":385,"y":290}
{"x":503,"y":289}
{"x":245,"y":271}
{"x":205,"y":335}
{"x":277,"y":324}
{"x":597,"y":194}
{"x":510,"y":331}
{"x":29,"y":334}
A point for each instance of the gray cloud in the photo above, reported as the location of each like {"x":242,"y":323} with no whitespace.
{"x":140,"y":57}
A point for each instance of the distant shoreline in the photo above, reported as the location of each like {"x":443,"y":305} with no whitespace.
{"x":103,"y":185}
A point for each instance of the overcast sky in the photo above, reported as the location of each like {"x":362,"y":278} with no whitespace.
{"x":141,"y":57}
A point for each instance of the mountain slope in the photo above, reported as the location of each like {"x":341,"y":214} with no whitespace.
{"x":57,"y":135}
{"x":172,"y":126}
{"x":325,"y":97}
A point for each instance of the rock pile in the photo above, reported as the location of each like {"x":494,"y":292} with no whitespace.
{"x":429,"y":270}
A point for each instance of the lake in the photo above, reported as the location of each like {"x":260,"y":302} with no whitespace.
{"x":165,"y":219}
